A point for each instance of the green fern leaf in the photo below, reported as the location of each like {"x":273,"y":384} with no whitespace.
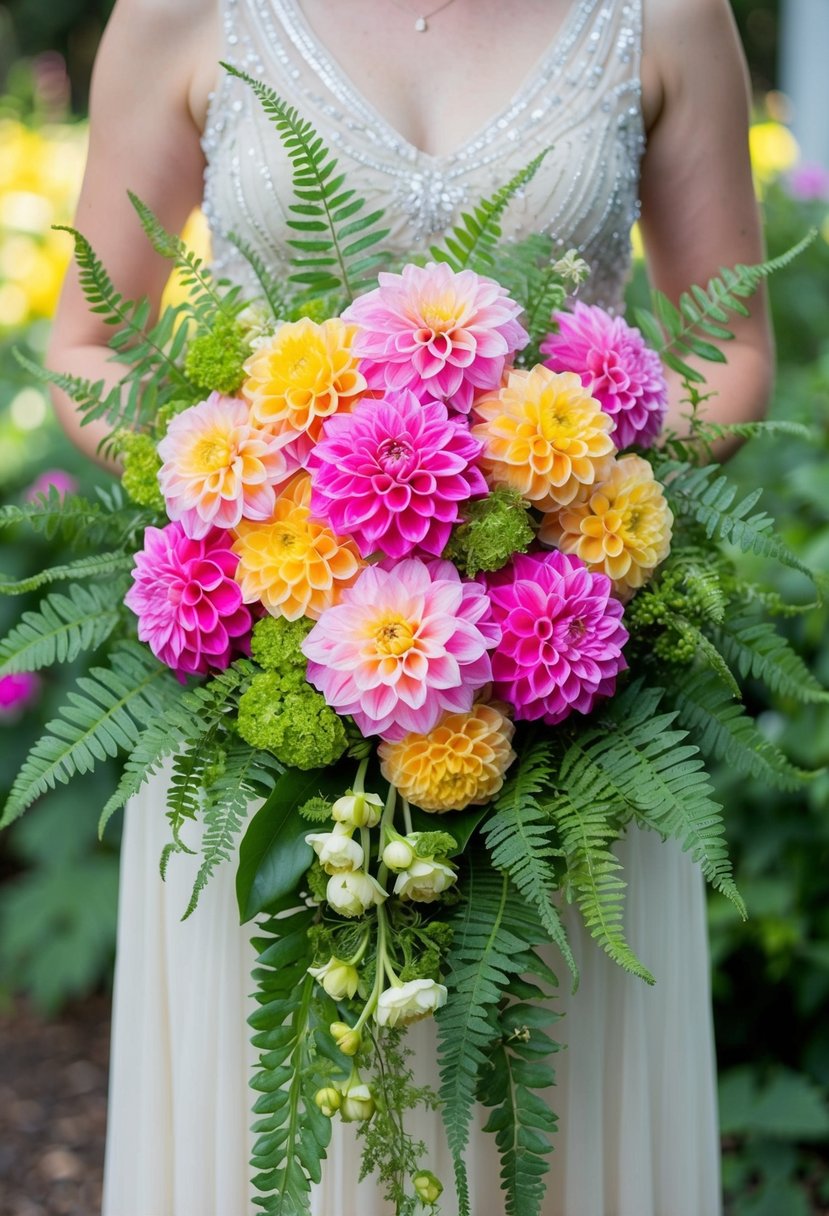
{"x":272,"y":290}
{"x":103,"y":717}
{"x":472,"y":242}
{"x":94,"y":566}
{"x":79,"y":520}
{"x":92,"y":398}
{"x":723,"y":730}
{"x":518,"y":836}
{"x":756,"y":649}
{"x":63,"y":627}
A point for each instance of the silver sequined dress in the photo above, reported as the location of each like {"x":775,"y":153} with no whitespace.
{"x":635,"y":1091}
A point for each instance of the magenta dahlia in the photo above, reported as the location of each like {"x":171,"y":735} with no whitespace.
{"x":561,"y":636}
{"x":445,"y":335}
{"x":407,"y":643}
{"x":189,"y":608}
{"x":392,"y":473}
{"x":624,"y":375}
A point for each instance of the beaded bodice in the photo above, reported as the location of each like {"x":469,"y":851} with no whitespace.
{"x":582,"y":102}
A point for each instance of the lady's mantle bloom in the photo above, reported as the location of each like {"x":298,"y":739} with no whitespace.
{"x":411,"y":1002}
{"x":444,"y":335}
{"x":302,"y":375}
{"x":218,"y":468}
{"x":623,"y":529}
{"x":544,"y":436}
{"x":407,"y":643}
{"x":293,"y":564}
{"x":189,"y":607}
{"x":458,"y":764}
{"x":615,"y":366}
{"x":392,"y":474}
{"x":562,"y":636}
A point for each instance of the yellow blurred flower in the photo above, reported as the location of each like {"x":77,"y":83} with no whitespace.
{"x":460,"y":763}
{"x":773,"y":149}
{"x":622,"y":530}
{"x":545,"y":436}
{"x":302,"y":375}
{"x":196,"y":235}
{"x":294,"y":565}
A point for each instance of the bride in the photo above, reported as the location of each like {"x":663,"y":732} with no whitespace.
{"x":643,"y":103}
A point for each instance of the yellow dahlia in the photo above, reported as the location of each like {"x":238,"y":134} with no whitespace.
{"x":460,"y":763}
{"x":302,"y":375}
{"x":623,"y":529}
{"x":545,"y":436}
{"x":292,"y":564}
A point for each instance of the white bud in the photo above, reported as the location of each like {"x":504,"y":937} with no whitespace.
{"x":339,"y":979}
{"x":358,"y":810}
{"x":398,"y":855}
{"x":357,"y":1104}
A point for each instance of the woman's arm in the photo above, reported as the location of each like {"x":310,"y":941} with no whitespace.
{"x":144,"y":137}
{"x":698,"y":207}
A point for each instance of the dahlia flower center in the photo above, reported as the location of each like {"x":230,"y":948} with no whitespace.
{"x":556,"y":421}
{"x":394,"y":636}
{"x":393,"y":452}
{"x":300,"y":365}
{"x":440,"y":315}
{"x":212,"y":452}
{"x":576,"y":629}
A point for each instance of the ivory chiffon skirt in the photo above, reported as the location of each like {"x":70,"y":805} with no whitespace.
{"x":635,"y":1090}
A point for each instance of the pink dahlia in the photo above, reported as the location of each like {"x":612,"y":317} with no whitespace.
{"x":17,"y":693}
{"x":561,"y":636}
{"x":445,"y":335}
{"x":57,"y":479}
{"x":623,"y":374}
{"x":407,"y":642}
{"x":189,"y":607}
{"x":392,"y":473}
{"x":219,"y":467}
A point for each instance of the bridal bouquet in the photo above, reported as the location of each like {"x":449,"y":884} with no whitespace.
{"x":405,"y":553}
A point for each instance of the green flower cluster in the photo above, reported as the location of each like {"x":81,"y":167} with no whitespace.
{"x":667,"y":608}
{"x":140,"y":469}
{"x":215,"y":360}
{"x":493,"y":529}
{"x":282,"y":714}
{"x":275,"y":644}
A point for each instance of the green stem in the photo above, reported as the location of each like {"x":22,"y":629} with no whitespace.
{"x":407,"y":817}
{"x":360,"y":780}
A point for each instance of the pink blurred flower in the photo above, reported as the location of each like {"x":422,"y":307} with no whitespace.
{"x":444,"y":335}
{"x":392,"y":473}
{"x":189,"y":607}
{"x":808,"y":182}
{"x":219,"y":467}
{"x":623,"y":374}
{"x":17,"y":693}
{"x":561,"y":636}
{"x":62,"y":481}
{"x":406,"y":643}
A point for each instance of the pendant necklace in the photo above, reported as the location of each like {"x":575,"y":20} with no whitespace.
{"x":422,"y":19}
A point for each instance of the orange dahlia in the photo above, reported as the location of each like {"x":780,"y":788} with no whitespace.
{"x":292,"y":564}
{"x":623,"y":529}
{"x":302,"y":375}
{"x":460,"y":763}
{"x":545,"y":436}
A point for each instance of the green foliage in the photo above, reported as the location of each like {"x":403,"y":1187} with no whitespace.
{"x":76,"y":519}
{"x":104,"y":717}
{"x":472,"y":242}
{"x":700,"y":321}
{"x":493,"y":932}
{"x":64,"y":627}
{"x":336,"y":245}
{"x":272,"y":291}
{"x":520,"y":1062}
{"x":531,"y":273}
{"x":292,"y":1133}
{"x":492,"y":529}
{"x":521,"y":842}
{"x":94,"y":566}
{"x":755,"y":648}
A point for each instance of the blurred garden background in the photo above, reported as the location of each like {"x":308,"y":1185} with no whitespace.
{"x":58,"y":883}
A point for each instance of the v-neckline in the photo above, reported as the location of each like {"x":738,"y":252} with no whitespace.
{"x":349,"y":91}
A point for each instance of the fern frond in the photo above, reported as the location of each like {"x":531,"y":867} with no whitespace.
{"x":75,"y":519}
{"x":292,"y":1133}
{"x":335,"y":235}
{"x":756,"y":649}
{"x":471,"y":243}
{"x":520,"y":1062}
{"x":703,"y":494}
{"x":520,"y":840}
{"x":63,"y":627}
{"x":103,"y":717}
{"x":187,"y":717}
{"x":722,"y":729}
{"x":271,"y":290}
{"x":708,"y":653}
{"x":225,"y":808}
{"x":94,"y":566}
{"x":701,"y":318}
{"x":492,"y":930}
{"x":92,"y":398}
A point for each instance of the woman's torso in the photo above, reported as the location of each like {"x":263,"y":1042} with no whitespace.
{"x":581,"y":101}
